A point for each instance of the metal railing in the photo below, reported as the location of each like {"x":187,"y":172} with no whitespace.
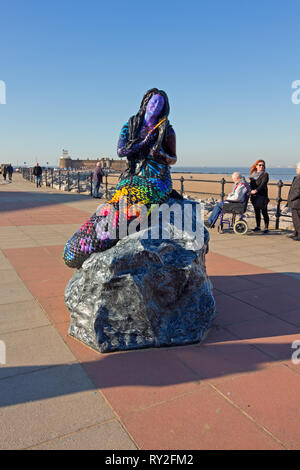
{"x":75,"y":180}
{"x":66,"y":179}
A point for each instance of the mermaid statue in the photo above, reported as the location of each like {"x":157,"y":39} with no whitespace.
{"x":148,"y":142}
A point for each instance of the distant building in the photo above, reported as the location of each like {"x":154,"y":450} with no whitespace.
{"x":66,"y":161}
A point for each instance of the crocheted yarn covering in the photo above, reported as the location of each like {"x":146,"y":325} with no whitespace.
{"x":94,"y":235}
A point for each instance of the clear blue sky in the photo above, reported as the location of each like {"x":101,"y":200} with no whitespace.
{"x":76,"y":70}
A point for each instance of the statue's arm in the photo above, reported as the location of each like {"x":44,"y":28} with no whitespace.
{"x":130,"y":149}
{"x":167,"y":154}
{"x":123,"y":141}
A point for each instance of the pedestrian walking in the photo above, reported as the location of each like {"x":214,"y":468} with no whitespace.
{"x":9,"y":170}
{"x":97,"y":179}
{"x":259,"y":193}
{"x":294,"y":204}
{"x":37,"y":172}
{"x":4,"y":171}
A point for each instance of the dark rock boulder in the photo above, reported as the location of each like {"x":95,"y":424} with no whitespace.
{"x":142,"y":293}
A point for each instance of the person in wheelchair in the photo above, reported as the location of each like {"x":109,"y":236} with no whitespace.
{"x":235,"y":200}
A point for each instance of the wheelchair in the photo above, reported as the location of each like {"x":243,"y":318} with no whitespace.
{"x":237,"y":221}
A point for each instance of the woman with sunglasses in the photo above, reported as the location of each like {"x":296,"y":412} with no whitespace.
{"x":259,"y":193}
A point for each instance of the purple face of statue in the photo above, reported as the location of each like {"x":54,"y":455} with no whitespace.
{"x":154,"y":107}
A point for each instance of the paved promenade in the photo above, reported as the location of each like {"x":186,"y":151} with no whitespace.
{"x":237,"y":390}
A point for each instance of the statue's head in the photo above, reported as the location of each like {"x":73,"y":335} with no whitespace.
{"x":155,"y":103}
{"x":155,"y":106}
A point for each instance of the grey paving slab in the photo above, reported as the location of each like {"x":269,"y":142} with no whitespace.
{"x":14,"y":291}
{"x":88,"y":206}
{"x":14,"y":237}
{"x":29,"y":243}
{"x":2,"y":256}
{"x":292,"y":258}
{"x":274,"y":252}
{"x":44,"y":405}
{"x":5,"y":265}
{"x":12,"y":233}
{"x":36,"y":230}
{"x":27,"y":350}
{"x":246,"y":251}
{"x":41,"y":235}
{"x":9,"y":276}
{"x":107,"y":436}
{"x":21,"y":316}
{"x":53,"y":230}
{"x":52,"y":241}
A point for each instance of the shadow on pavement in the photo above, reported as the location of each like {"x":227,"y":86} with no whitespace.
{"x":22,"y":200}
{"x":258,"y":321}
{"x":147,"y":368}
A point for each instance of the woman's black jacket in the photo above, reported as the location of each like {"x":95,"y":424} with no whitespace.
{"x":260,"y":199}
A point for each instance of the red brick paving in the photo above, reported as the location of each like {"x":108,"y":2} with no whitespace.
{"x":269,"y":299}
{"x":53,"y":214}
{"x":266,"y":326}
{"x":292,"y":317}
{"x":38,"y":273}
{"x":271,"y":397}
{"x":37,"y":257}
{"x":200,"y":420}
{"x":214,"y":361}
{"x":276,"y":347}
{"x":5,"y":221}
{"x":47,"y":288}
{"x":231,"y":310}
{"x":55,"y":308}
{"x":83,"y":353}
{"x":218,"y":334}
{"x":231,"y":284}
{"x":220,"y":265}
{"x":137,"y":380}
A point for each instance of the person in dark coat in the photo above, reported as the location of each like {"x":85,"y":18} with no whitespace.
{"x":259,"y":193}
{"x":294,"y":204}
{"x":37,"y":172}
{"x":10,"y":171}
{"x":97,"y":179}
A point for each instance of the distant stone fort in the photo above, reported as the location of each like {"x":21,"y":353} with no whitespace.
{"x":66,"y":162}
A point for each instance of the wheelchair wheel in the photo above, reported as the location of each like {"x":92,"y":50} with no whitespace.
{"x":240,"y":227}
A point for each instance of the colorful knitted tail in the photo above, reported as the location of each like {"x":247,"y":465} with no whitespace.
{"x":101,"y":231}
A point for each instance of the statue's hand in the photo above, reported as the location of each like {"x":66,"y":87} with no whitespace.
{"x":137,"y":144}
{"x":132,"y":144}
{"x":162,"y":157}
{"x":155,"y":153}
{"x":149,"y":139}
